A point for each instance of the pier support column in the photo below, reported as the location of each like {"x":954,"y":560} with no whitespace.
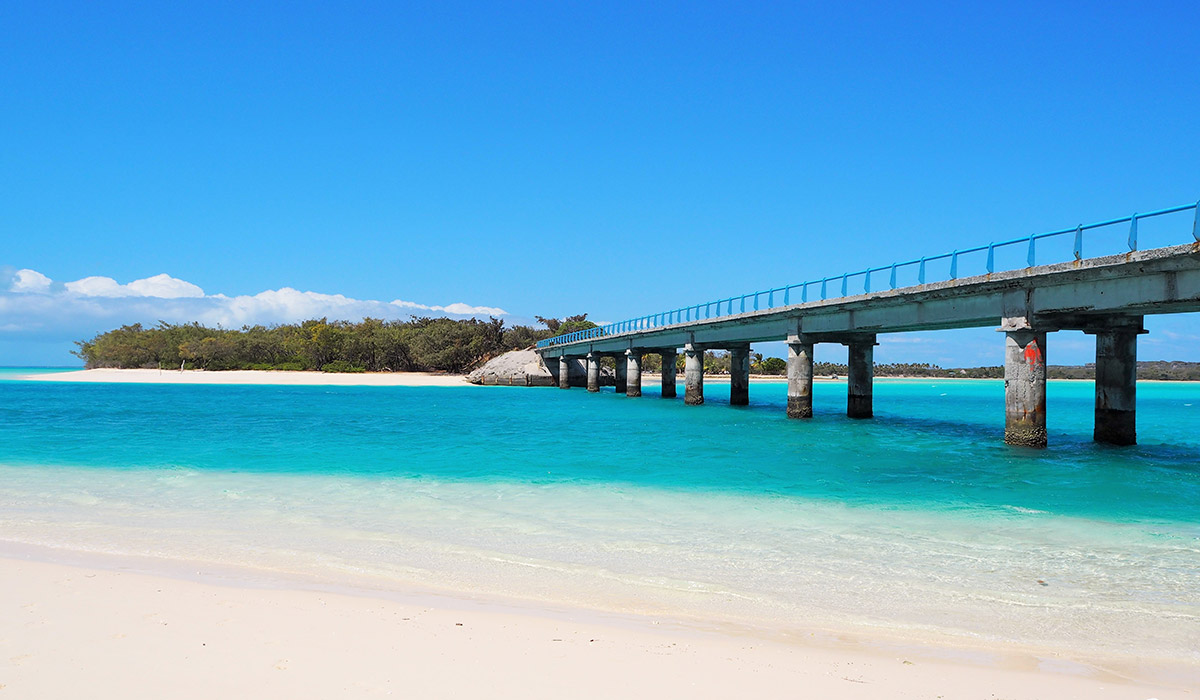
{"x":633,"y":373}
{"x":564,"y":372}
{"x":693,"y":375}
{"x":668,"y":373}
{"x":622,"y":373}
{"x":860,"y":378}
{"x":593,"y":371}
{"x":739,"y":375}
{"x":800,"y":379}
{"x":1116,"y":384}
{"x":1025,"y":388}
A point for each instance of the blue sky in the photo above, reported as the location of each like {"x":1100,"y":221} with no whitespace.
{"x":556,"y":158}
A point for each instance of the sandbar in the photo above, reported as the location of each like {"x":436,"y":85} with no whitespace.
{"x":70,"y":630}
{"x":156,"y":376}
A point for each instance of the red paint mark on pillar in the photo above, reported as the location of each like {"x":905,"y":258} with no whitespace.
{"x":1033,"y":355}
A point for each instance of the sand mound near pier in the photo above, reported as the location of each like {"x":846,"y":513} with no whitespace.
{"x":515,"y":368}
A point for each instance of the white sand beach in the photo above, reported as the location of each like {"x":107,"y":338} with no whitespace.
{"x":69,"y":630}
{"x":156,"y":376}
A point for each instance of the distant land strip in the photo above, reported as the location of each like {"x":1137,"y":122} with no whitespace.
{"x":446,"y":345}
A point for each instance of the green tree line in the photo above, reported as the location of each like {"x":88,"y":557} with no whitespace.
{"x":370,"y":345}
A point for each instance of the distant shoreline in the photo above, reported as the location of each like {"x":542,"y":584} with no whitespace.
{"x":252,"y":376}
{"x":423,"y":379}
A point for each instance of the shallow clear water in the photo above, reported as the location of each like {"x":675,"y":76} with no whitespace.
{"x":920,"y":519}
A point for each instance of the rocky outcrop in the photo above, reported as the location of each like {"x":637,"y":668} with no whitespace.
{"x":515,"y":368}
{"x":525,"y":368}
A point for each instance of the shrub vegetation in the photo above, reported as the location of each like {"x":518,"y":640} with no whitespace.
{"x":370,"y":345}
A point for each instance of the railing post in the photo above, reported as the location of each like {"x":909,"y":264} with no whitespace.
{"x":787,"y":293}
{"x":1031,"y":258}
{"x":954,"y":265}
{"x":844,"y":275}
{"x":991,"y":261}
{"x":804,"y":293}
{"x":1196,"y":223}
{"x":921,"y":272}
{"x":867,"y":281}
{"x":771,"y":299}
{"x":1078,"y":249}
{"x":823,"y":281}
{"x":1133,"y":232}
{"x":756,"y":301}
{"x":892,"y":279}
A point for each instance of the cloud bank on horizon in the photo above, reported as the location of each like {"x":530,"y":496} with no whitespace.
{"x":33,"y":305}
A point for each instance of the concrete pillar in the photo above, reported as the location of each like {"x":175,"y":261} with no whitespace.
{"x":622,"y":373}
{"x":1116,"y":386}
{"x":739,"y":375}
{"x":564,"y":372}
{"x":552,"y":365}
{"x":800,"y":380}
{"x":633,"y":373}
{"x":668,"y":373}
{"x":593,"y":371}
{"x":693,"y":376}
{"x":860,"y":379}
{"x":1025,"y":388}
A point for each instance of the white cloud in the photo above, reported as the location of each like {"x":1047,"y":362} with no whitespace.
{"x":27,"y":281}
{"x":164,"y":286}
{"x":35,"y":306}
{"x":457,"y":308}
{"x":161,"y":286}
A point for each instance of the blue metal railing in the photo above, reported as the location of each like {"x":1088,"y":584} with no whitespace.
{"x":786,"y":296}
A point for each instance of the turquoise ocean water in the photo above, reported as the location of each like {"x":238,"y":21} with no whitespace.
{"x":919,"y":521}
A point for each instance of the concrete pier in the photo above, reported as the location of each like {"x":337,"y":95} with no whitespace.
{"x":1116,"y":384}
{"x":622,"y":373}
{"x":739,"y":375}
{"x":669,"y":358}
{"x":800,"y":379}
{"x":633,"y":373}
{"x":860,"y":378}
{"x":693,"y":375}
{"x":564,"y":372}
{"x":1105,"y":296}
{"x":593,"y":372}
{"x":1025,"y":388}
